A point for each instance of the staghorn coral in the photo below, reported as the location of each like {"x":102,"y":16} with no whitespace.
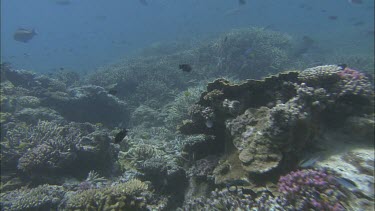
{"x":145,"y":116}
{"x":21,"y":137}
{"x":143,"y":152}
{"x":133,"y":194}
{"x":178,"y":109}
{"x":80,"y":103}
{"x":33,"y":115}
{"x":70,"y":78}
{"x":43,"y":197}
{"x":235,"y":198}
{"x":147,"y":79}
{"x":52,"y":147}
{"x":92,"y":181}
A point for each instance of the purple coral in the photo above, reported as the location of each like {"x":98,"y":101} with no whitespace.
{"x":350,"y":74}
{"x":311,"y":189}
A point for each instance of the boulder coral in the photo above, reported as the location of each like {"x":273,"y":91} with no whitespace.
{"x":276,"y":118}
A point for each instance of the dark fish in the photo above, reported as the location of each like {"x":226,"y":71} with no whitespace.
{"x":332,"y":17}
{"x":370,"y":32}
{"x":237,"y":182}
{"x":112,"y":91}
{"x":303,"y":47}
{"x":307,"y":40}
{"x":347,"y":183}
{"x":241,"y":2}
{"x":101,"y":17}
{"x":24,"y":35}
{"x":248,"y":52}
{"x":225,"y":39}
{"x":308,"y":162}
{"x":185,"y":67}
{"x":121,"y":135}
{"x":250,"y":192}
{"x":259,"y":193}
{"x":343,"y":66}
{"x":143,"y":2}
{"x":358,"y":23}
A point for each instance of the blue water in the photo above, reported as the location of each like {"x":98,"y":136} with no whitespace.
{"x":87,"y":34}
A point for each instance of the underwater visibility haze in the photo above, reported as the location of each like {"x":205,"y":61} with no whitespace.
{"x":187,"y":105}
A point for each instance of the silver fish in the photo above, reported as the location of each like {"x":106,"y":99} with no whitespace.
{"x":209,"y":123}
{"x":24,"y":35}
{"x":309,"y":162}
{"x":63,"y":2}
{"x":347,"y":183}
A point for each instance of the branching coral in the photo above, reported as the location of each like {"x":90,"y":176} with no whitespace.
{"x":141,"y":153}
{"x":178,"y":109}
{"x":233,"y":198}
{"x":130,"y":195}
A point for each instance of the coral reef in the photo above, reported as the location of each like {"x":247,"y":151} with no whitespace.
{"x":234,"y":138}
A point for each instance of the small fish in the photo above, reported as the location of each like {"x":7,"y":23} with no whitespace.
{"x":112,"y":91}
{"x":143,"y":2}
{"x":226,"y":38}
{"x":24,"y":35}
{"x":307,"y":40}
{"x":347,"y":183}
{"x":121,"y":135}
{"x":359,"y":23}
{"x":332,"y":17}
{"x":355,"y":1}
{"x":185,"y":67}
{"x":308,"y":162}
{"x":209,"y":123}
{"x":241,"y":2}
{"x":63,"y":2}
{"x":101,"y":17}
{"x":248,"y":52}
